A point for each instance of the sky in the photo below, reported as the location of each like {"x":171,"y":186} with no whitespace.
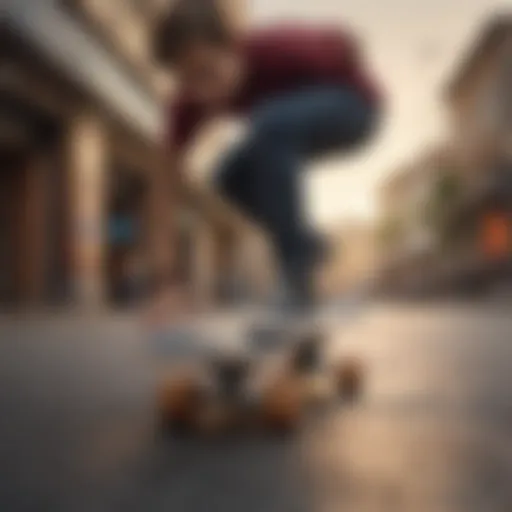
{"x":414,"y":46}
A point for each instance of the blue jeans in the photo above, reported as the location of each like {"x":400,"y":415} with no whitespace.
{"x":262,"y":175}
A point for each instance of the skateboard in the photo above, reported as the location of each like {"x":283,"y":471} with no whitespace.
{"x":266,"y":382}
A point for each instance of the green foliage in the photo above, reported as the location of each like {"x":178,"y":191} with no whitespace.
{"x":391,"y":231}
{"x":444,"y":196}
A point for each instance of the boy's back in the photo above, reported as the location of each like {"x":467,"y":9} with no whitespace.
{"x":278,"y":60}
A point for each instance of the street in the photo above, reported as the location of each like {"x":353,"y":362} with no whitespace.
{"x":433,"y":432}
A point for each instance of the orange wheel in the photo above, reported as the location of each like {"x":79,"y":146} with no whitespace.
{"x":178,"y":404}
{"x":349,"y":377}
{"x":282,"y":406}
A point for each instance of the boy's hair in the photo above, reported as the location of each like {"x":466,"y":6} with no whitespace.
{"x":189,"y":21}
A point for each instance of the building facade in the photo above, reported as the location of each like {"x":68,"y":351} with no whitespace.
{"x":83,"y":176}
{"x":462,"y":240}
{"x":478,"y":96}
{"x":88,"y":209}
{"x":352,"y":263}
{"x":479,"y":99}
{"x":408,"y":239}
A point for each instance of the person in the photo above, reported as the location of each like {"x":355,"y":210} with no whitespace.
{"x":305,"y":92}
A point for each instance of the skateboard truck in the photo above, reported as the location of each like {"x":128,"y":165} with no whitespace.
{"x":230,"y":374}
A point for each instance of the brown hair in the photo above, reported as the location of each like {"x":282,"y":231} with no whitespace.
{"x":186,"y":22}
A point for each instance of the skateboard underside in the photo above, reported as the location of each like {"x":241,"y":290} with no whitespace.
{"x":269,"y":390}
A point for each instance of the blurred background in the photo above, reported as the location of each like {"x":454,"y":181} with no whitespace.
{"x":90,"y":227}
{"x":87,"y":211}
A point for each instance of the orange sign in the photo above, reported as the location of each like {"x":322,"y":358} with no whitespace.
{"x":496,"y":235}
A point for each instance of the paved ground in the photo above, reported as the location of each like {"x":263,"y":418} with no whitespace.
{"x":433,"y":434}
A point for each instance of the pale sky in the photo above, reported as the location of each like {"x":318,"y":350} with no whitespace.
{"x":413,"y":46}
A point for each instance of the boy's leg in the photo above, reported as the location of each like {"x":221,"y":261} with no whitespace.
{"x":262,"y":175}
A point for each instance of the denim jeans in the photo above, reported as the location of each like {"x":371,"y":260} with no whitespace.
{"x":261,"y":176}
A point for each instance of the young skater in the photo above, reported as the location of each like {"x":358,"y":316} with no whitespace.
{"x":305,"y":92}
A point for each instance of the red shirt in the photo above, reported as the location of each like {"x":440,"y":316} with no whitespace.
{"x":279,"y":60}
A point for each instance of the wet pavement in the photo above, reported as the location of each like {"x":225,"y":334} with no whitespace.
{"x":433,"y":432}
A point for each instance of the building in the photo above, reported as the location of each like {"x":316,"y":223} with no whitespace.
{"x":446,"y":219}
{"x":479,"y":99}
{"x":408,"y":239}
{"x":352,"y":263}
{"x":478,"y":96}
{"x":402,"y":201}
{"x":87,"y":203}
{"x":83,"y":182}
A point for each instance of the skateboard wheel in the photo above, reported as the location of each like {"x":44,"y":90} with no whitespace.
{"x":178,"y":405}
{"x":349,"y":377}
{"x":282,"y":406}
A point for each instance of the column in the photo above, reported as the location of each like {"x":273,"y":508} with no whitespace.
{"x":160,"y":214}
{"x":32,"y":229}
{"x":87,"y":163}
{"x":203,"y":266}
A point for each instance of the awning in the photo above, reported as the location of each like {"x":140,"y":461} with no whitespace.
{"x":81,"y":57}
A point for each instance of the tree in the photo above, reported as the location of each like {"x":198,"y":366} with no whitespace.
{"x":391,"y":232}
{"x":444,"y":196}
